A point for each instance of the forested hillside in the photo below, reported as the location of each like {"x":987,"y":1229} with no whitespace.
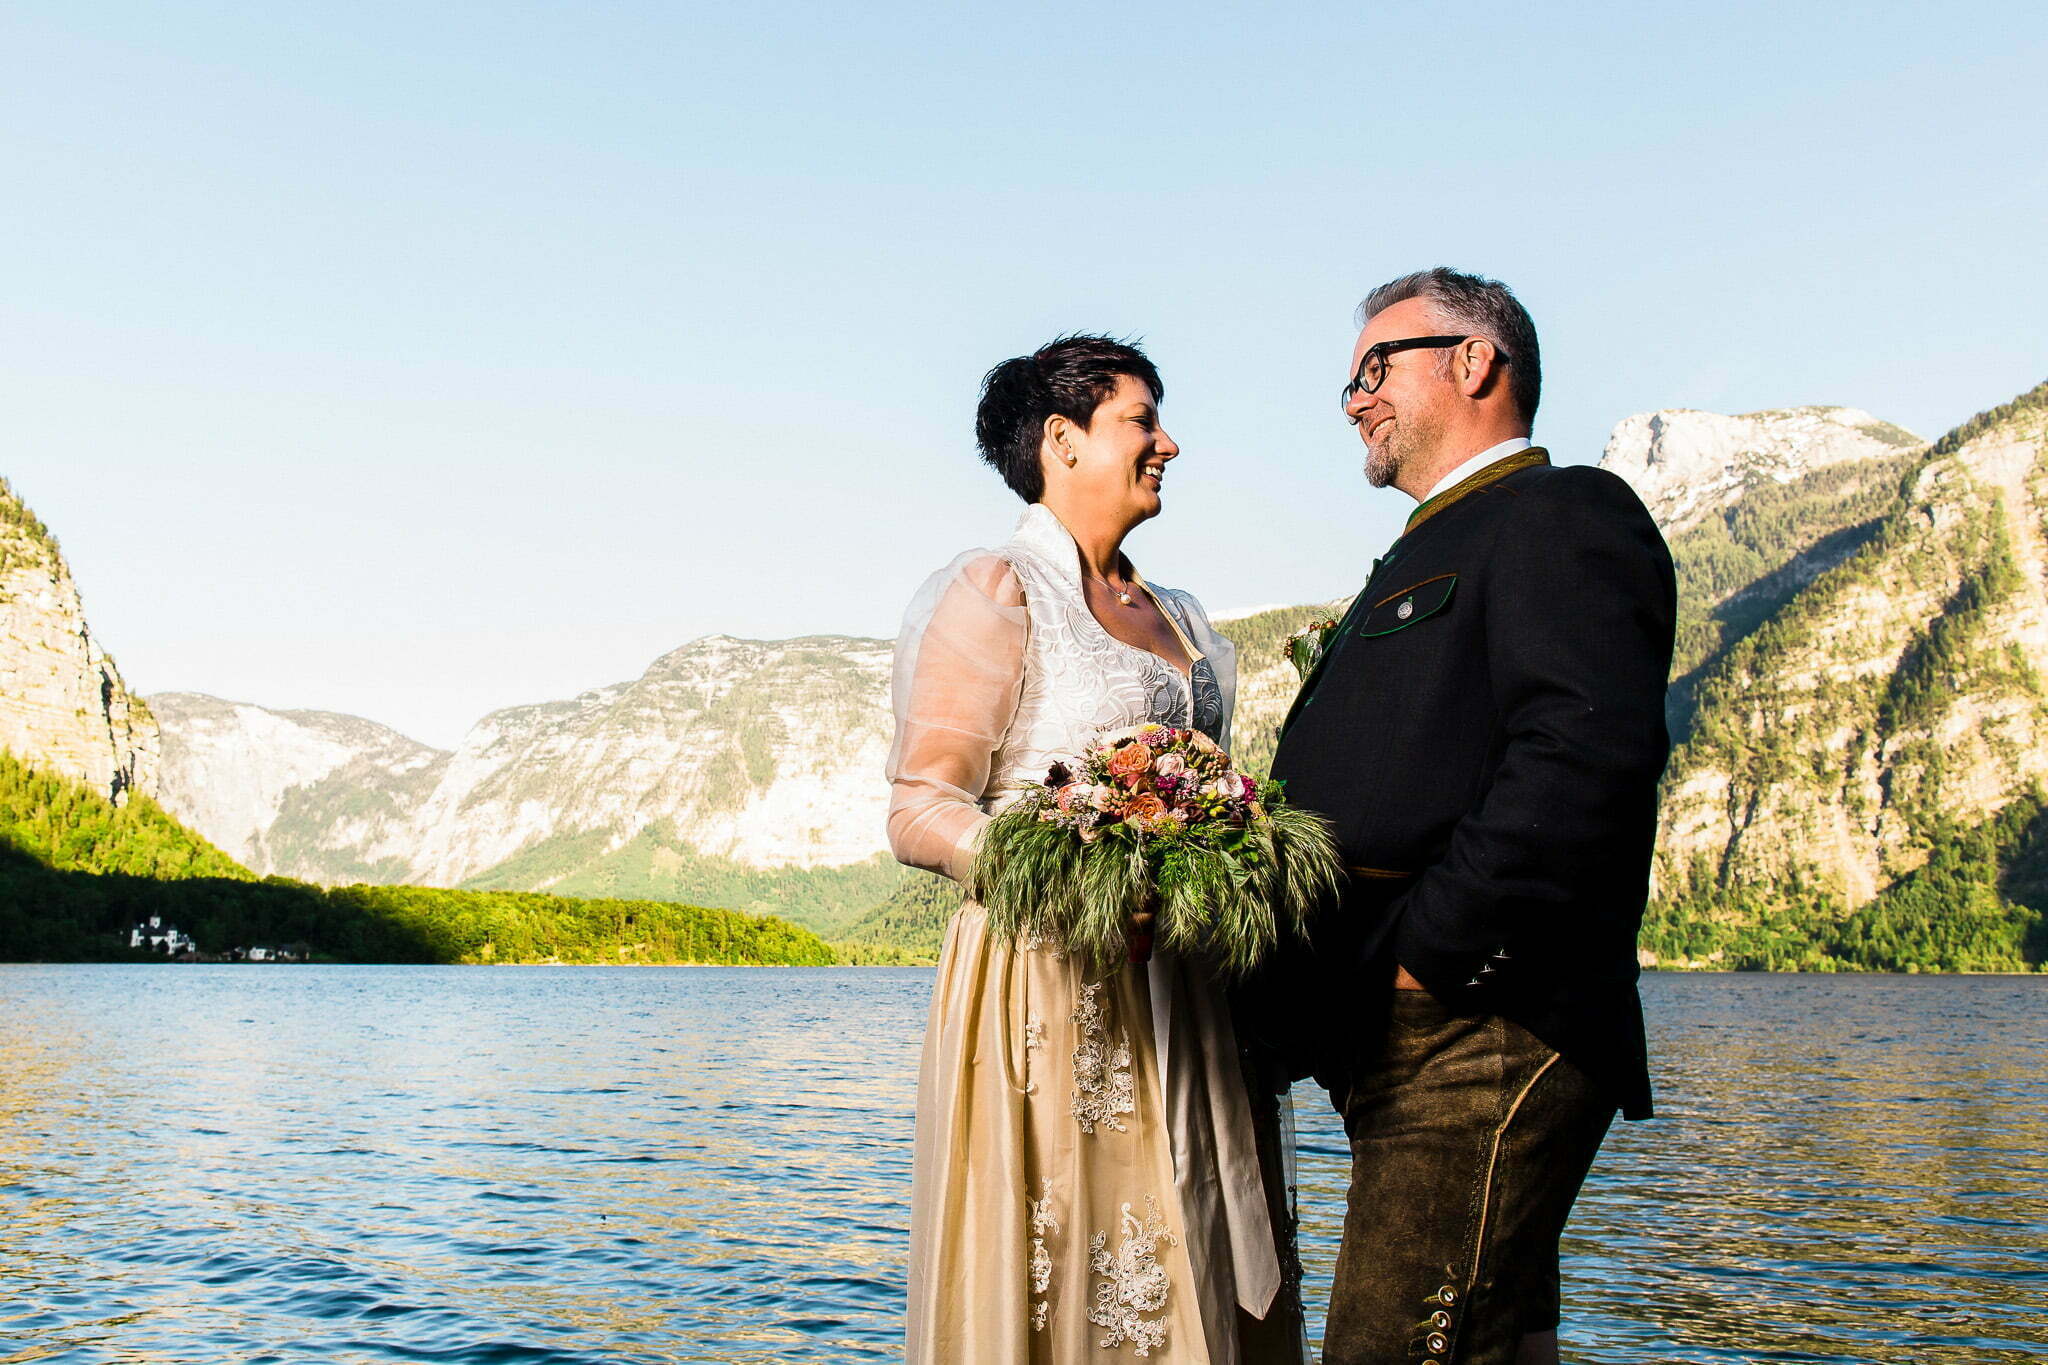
{"x":1862,"y":777}
{"x":76,"y":871}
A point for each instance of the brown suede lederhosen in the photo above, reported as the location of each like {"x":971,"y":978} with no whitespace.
{"x":1469,"y":1141}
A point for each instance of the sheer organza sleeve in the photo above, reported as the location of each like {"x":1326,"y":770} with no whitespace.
{"x":1217,"y":649}
{"x":959,"y":671}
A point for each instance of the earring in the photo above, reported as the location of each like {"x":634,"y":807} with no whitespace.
{"x":1070,"y":457}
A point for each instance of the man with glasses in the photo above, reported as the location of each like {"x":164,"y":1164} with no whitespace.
{"x":1486,"y":731}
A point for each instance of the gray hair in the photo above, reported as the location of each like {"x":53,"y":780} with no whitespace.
{"x":1478,"y":307}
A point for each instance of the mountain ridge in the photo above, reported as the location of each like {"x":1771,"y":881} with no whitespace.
{"x":1766,"y":513}
{"x":1890,"y":712}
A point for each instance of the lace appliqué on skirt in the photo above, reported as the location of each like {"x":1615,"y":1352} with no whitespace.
{"x":1043,"y":1222}
{"x":1102,"y":1069}
{"x":1134,"y":1286}
{"x":1031,"y":940}
{"x":1034,"y":1041}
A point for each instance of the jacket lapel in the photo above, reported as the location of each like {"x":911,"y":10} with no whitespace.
{"x":1458,"y":492}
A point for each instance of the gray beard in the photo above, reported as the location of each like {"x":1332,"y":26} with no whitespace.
{"x":1381,"y":465}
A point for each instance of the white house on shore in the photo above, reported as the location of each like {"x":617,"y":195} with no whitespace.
{"x":157,"y":936}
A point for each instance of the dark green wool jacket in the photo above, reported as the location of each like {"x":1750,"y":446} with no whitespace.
{"x":1486,"y":730}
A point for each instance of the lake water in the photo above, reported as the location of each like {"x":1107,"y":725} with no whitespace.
{"x":556,"y":1166}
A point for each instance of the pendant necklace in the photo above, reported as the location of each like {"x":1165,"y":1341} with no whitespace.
{"x":1122,"y":594}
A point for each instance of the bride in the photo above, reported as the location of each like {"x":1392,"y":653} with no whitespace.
{"x":1095,"y":1175}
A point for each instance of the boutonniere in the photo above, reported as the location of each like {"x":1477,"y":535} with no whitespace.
{"x":1304,"y":649}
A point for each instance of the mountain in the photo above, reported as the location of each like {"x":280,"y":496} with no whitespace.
{"x":1686,"y":465}
{"x":1755,"y":507}
{"x":309,"y":794}
{"x":1879,"y":737}
{"x":61,"y":698}
{"x":85,"y":852}
{"x":768,"y":753}
{"x":748,"y":772}
{"x":744,"y":771}
{"x":1839,"y":582}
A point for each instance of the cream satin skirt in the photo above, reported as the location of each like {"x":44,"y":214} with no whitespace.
{"x":1088,"y":1182}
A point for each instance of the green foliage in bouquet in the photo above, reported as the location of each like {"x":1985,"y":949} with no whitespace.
{"x":1305,"y":647}
{"x":1155,"y":818}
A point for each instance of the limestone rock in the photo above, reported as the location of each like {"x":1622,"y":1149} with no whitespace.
{"x":767,"y":754}
{"x":1685,"y":464}
{"x":1895,"y":697}
{"x":63,"y":706}
{"x":308,"y":794}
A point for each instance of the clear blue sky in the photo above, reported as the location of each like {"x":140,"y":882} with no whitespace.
{"x":415,"y":360}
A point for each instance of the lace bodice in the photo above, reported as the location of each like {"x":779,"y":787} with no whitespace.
{"x":1002,"y":669}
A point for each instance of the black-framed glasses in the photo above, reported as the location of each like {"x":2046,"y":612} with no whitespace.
{"x":1372,"y":366}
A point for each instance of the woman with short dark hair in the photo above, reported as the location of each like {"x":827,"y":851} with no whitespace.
{"x":1088,"y":1170}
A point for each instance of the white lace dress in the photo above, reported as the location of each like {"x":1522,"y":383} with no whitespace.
{"x":1087,"y":1180}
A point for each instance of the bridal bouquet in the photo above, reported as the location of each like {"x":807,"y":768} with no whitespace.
{"x":1155,"y":818}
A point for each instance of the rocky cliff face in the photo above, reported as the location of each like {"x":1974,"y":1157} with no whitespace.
{"x":307,"y":794}
{"x":764,"y":755}
{"x":63,"y":706}
{"x":768,"y":754}
{"x":1755,"y":508}
{"x":1686,"y":465}
{"x":1892,"y":701}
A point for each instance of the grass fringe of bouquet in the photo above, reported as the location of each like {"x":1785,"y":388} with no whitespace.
{"x":1037,"y":881}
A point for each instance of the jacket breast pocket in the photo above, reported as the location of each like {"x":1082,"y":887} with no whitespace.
{"x":1410,"y":606}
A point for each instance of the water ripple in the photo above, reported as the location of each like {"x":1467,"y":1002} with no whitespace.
{"x":589,"y":1165}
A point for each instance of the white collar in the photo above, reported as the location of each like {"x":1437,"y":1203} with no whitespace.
{"x":1514,"y":445}
{"x":1041,"y":531}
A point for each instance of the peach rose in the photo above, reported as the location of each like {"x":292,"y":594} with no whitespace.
{"x":1130,"y":763}
{"x":1146,"y":809}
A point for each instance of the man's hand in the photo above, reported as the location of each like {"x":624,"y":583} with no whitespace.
{"x":1142,"y":922}
{"x":1404,"y":980}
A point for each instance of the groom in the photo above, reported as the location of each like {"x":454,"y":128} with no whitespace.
{"x":1486,"y":730}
